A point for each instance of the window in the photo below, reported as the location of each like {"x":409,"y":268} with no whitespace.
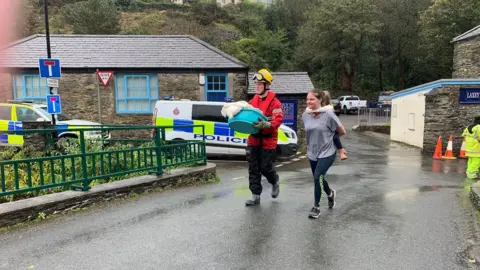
{"x":208,"y":113}
{"x":136,"y":93}
{"x":6,"y":113}
{"x":216,"y":87}
{"x":30,"y":87}
{"x":352,"y":98}
{"x":26,"y":115}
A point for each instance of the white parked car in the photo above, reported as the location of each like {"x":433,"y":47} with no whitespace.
{"x":351,"y":104}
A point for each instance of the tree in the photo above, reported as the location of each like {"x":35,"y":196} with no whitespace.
{"x":266,"y":49}
{"x":336,"y":35}
{"x":398,"y":42}
{"x":444,"y":20}
{"x":93,"y":17}
{"x":207,"y":12}
{"x":278,"y":16}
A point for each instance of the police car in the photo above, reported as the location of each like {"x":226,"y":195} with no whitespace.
{"x":219,"y":137}
{"x":14,"y":113}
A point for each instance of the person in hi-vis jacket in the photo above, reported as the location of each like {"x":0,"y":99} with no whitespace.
{"x":472,"y":148}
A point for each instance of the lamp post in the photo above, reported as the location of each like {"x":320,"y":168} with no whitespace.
{"x":47,"y":36}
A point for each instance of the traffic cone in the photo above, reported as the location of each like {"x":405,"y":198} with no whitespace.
{"x":462,"y":150}
{"x":449,"y":152}
{"x":438,"y":149}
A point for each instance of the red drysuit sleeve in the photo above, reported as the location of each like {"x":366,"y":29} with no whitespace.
{"x":277,"y":115}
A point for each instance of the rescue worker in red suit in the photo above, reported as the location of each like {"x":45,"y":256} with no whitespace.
{"x":261,"y":147}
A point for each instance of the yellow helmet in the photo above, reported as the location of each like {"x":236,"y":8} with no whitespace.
{"x":263,"y":75}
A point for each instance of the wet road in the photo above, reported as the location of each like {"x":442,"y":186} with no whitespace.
{"x":394,"y":210}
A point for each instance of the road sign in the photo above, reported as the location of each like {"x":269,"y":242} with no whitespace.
{"x":54,"y":106}
{"x":49,"y":68}
{"x":52,"y":83}
{"x":105,"y":77}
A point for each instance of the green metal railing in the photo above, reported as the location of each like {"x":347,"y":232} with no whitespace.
{"x":84,"y":162}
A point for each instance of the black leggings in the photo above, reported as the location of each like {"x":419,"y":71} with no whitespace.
{"x":336,"y":141}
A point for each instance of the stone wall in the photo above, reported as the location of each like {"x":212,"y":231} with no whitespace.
{"x":466,"y":58}
{"x":302,"y":105}
{"x":444,"y":116}
{"x":181,"y":86}
{"x":240,"y":87}
{"x":6,"y":86}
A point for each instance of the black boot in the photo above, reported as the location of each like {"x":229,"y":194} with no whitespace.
{"x":253,"y":201}
{"x":276,"y":187}
{"x":275,"y":190}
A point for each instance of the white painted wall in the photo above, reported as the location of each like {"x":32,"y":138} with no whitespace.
{"x":408,"y":118}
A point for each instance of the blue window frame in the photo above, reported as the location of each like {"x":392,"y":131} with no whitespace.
{"x":216,"y":87}
{"x":136,"y":94}
{"x":30,"y":87}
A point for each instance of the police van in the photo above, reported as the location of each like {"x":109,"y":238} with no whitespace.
{"x":220,"y":139}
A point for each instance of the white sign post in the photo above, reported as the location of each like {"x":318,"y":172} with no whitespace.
{"x":104,"y":77}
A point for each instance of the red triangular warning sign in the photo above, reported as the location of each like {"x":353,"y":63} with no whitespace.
{"x":105,"y":77}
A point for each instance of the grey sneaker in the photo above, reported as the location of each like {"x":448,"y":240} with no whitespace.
{"x":331,"y":200}
{"x":275,"y":190}
{"x":253,"y":201}
{"x":314,"y":212}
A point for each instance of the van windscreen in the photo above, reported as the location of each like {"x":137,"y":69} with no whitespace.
{"x":211,"y":113}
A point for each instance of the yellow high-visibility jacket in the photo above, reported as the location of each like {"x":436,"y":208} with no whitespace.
{"x":472,"y":141}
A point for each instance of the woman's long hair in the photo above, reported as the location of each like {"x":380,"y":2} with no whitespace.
{"x":319,"y":94}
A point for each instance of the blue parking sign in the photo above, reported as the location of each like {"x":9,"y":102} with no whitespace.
{"x":54,"y":106}
{"x":50,"y":68}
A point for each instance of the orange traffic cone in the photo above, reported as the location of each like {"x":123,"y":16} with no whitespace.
{"x":449,"y":152}
{"x":462,"y":149}
{"x":438,"y":149}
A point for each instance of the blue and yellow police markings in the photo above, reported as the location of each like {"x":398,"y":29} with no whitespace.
{"x":214,"y":131}
{"x":14,"y":139}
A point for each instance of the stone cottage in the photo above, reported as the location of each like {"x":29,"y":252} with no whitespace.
{"x":291,"y":89}
{"x":146,"y":68}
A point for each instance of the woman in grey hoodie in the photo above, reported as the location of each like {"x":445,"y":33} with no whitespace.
{"x":320,"y":128}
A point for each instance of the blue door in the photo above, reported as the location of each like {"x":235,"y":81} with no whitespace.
{"x":216,"y":87}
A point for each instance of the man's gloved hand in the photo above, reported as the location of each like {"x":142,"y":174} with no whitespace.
{"x":262,"y":124}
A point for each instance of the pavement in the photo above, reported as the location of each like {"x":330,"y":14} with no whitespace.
{"x":395,"y":210}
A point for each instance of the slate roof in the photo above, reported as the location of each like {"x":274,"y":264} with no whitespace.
{"x":469,"y":34}
{"x":120,"y":51}
{"x":286,"y":83}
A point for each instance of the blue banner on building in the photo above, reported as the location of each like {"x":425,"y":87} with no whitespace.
{"x":469,"y":96}
{"x":290,"y":113}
